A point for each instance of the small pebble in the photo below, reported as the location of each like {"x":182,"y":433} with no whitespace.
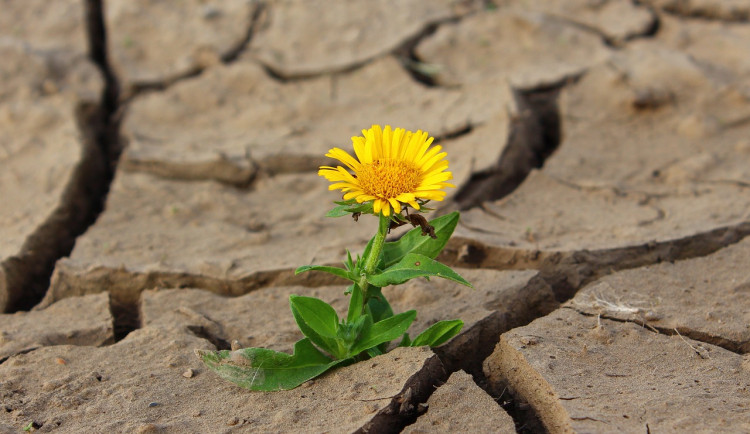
{"x":189,"y":373}
{"x":153,"y":404}
{"x":210,"y":12}
{"x":233,"y":421}
{"x":60,"y":361}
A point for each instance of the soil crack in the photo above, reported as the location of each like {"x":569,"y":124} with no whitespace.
{"x":534,"y":135}
{"x":707,"y":12}
{"x":257,"y":14}
{"x":83,"y":198}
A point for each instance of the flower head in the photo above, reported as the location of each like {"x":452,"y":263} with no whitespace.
{"x":393,"y":167}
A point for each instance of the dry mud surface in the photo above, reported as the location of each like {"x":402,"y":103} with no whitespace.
{"x":158,"y":183}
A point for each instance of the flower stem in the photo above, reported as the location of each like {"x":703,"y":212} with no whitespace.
{"x":371,"y":261}
{"x":377,"y":245}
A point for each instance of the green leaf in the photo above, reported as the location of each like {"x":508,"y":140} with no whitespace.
{"x":414,"y":242}
{"x":348,"y":333}
{"x":318,"y":321}
{"x":414,"y":265}
{"x":336,"y":271}
{"x":355,"y":304}
{"x":349,"y":264}
{"x":266,"y":370}
{"x":377,"y":305}
{"x":438,"y":333}
{"x":384,"y":331}
{"x":350,"y":207}
{"x":405,"y":341}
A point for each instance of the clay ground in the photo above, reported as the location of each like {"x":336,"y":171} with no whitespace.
{"x":158,"y":187}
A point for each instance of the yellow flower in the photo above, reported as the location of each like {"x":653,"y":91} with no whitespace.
{"x":393,"y":167}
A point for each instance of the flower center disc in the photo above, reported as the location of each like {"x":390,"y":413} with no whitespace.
{"x":387,"y":178}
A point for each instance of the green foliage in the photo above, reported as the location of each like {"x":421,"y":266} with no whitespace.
{"x":346,"y":207}
{"x":266,"y":370}
{"x":370,"y":324}
{"x":384,"y":331}
{"x":415,"y":242}
{"x":438,"y":333}
{"x":355,"y":304}
{"x":414,"y":265}
{"x":331,"y":270}
{"x":318,"y":321}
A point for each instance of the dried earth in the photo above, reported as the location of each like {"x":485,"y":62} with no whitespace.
{"x":159,"y":187}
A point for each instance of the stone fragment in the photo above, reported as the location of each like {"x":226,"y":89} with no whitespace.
{"x":343,"y":34}
{"x":152,"y":42}
{"x":460,"y":405}
{"x":616,"y":20}
{"x":526,"y":49}
{"x":73,"y":321}
{"x":705,"y":298}
{"x":111,"y":388}
{"x":587,"y":374}
{"x":233,"y":121}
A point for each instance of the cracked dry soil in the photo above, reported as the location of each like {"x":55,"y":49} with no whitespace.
{"x":158,"y":185}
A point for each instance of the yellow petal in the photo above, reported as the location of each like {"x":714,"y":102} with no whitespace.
{"x":432,"y":195}
{"x":434,"y":159}
{"x":342,"y":185}
{"x":387,"y":142}
{"x":434,"y":179}
{"x":429,"y":154}
{"x":386,"y":208}
{"x":358,"y":143}
{"x":423,"y":148}
{"x":352,"y":194}
{"x":377,"y":142}
{"x":345,"y":158}
{"x":405,"y":197}
{"x":415,"y":140}
{"x":396,"y":206}
{"x":332,"y":175}
{"x":398,"y":136}
{"x":436,"y":168}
